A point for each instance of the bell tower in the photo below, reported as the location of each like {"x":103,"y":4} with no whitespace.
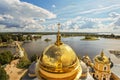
{"x":102,"y":67}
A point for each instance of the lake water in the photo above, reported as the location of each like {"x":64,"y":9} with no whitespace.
{"x":81,"y":47}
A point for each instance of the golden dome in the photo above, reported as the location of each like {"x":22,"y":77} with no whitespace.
{"x":58,"y":62}
{"x":61,"y":57}
{"x":102,"y":58}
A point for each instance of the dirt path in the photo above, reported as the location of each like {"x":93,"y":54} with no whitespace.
{"x":13,"y":72}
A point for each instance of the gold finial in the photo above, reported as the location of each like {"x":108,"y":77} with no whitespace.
{"x":102,"y":53}
{"x":58,"y":41}
{"x":58,"y":26}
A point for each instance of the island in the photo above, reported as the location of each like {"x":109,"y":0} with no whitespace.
{"x":47,"y":39}
{"x":90,"y":38}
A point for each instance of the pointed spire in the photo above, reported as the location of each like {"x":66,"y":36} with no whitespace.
{"x":58,"y":38}
{"x":58,"y":27}
{"x":102,"y":53}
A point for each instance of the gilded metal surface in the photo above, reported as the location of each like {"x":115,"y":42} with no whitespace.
{"x":58,"y":37}
{"x":102,"y":58}
{"x":58,"y":58}
{"x":73,"y":74}
{"x":58,"y":62}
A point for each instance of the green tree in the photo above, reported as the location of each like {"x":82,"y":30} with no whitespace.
{"x":4,"y":37}
{"x":21,"y":37}
{"x":24,"y":61}
{"x":3,"y":74}
{"x":0,"y":40}
{"x":14,"y":37}
{"x":10,"y":41}
{"x":29,"y":37}
{"x":5,"y":57}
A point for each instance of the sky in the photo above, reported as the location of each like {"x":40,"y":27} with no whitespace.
{"x":73,"y":15}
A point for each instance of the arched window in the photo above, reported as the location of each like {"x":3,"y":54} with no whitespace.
{"x":104,"y":78}
{"x":105,"y":68}
{"x":97,"y":76}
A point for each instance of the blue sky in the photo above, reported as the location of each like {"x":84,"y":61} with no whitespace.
{"x":74,"y":15}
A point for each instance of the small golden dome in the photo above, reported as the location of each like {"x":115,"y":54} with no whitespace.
{"x":102,"y":58}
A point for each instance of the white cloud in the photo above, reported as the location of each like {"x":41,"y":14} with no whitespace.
{"x":85,"y":24}
{"x":1,"y":18}
{"x":99,"y":10}
{"x":14,"y":13}
{"x":22,"y":16}
{"x":6,"y":16}
{"x":114,"y":14}
{"x":54,"y":6}
{"x":115,"y":24}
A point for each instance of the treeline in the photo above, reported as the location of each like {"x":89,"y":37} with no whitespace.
{"x":16,"y":37}
{"x":91,"y":34}
{"x":110,"y":36}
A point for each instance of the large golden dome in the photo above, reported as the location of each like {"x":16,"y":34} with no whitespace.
{"x":58,"y":62}
{"x":58,"y":58}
